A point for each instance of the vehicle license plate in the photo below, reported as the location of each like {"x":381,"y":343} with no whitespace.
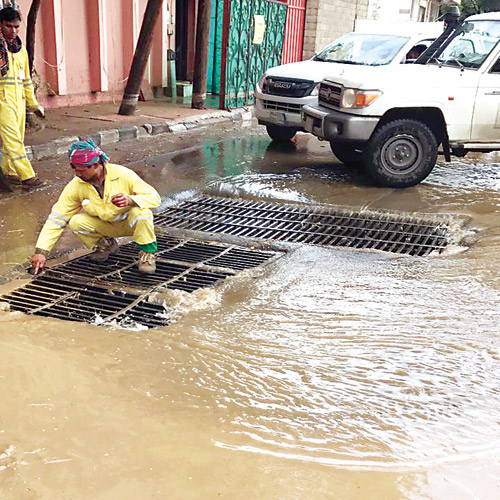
{"x":278,"y":116}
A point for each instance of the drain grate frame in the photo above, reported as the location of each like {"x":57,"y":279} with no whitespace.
{"x":318,"y":225}
{"x":86,"y":291}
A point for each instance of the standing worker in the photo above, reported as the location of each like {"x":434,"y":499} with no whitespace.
{"x":115,"y":202}
{"x":16,"y":88}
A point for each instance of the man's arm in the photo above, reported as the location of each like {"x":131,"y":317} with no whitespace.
{"x":142,"y":194}
{"x":67,"y":205}
{"x":29,"y":89}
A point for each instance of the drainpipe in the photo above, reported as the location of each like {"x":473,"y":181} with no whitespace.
{"x":142,"y":50}
{"x":201,"y":54}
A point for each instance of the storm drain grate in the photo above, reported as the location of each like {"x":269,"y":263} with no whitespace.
{"x":326,"y":226}
{"x":83,"y":290}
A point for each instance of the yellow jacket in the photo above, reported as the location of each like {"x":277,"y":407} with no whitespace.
{"x":16,"y":86}
{"x":80,"y":195}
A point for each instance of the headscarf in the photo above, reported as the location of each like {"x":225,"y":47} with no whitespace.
{"x":13,"y":46}
{"x":86,"y":153}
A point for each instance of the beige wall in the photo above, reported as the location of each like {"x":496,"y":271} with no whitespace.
{"x":326,"y":20}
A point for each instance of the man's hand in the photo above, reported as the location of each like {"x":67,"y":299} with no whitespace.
{"x":38,"y":263}
{"x":40,"y":111}
{"x":121,"y":200}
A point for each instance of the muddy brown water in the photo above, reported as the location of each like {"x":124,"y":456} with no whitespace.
{"x":326,"y":374}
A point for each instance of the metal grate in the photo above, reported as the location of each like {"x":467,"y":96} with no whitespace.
{"x":329,"y":95}
{"x":281,"y":106}
{"x":326,"y":226}
{"x":287,"y":87}
{"x":83,"y":290}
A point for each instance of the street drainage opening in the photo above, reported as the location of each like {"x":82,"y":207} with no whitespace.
{"x":315,"y":225}
{"x":115,"y":291}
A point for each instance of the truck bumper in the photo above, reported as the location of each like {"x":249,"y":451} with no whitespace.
{"x":330,"y":124}
{"x":276,"y":110}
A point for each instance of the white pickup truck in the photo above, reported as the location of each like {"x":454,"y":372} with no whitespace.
{"x":392,"y":120}
{"x":283,"y":90}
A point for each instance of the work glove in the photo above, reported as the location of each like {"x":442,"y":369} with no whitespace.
{"x":40,"y":112}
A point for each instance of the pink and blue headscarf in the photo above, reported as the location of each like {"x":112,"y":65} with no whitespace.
{"x":86,"y":153}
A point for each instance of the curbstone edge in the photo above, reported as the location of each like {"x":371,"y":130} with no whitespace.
{"x":104,"y":137}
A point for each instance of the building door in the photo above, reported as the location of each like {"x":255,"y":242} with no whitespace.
{"x":244,"y":56}
{"x":215,"y":47}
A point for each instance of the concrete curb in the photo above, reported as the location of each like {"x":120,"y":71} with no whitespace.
{"x":111,"y":136}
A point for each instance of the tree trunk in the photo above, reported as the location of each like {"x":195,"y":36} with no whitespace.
{"x":30,"y":32}
{"x":133,"y":88}
{"x":201,"y":55}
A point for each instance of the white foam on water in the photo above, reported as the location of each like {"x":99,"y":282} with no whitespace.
{"x":175,"y":198}
{"x":178,"y":303}
{"x":263,"y":186}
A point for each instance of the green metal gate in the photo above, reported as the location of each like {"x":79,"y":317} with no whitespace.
{"x":215,"y":47}
{"x":243,"y":61}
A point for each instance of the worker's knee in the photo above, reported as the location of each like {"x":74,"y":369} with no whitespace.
{"x":79,"y":222}
{"x":139,"y":215}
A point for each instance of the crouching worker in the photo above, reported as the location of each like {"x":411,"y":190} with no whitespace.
{"x":102,"y":202}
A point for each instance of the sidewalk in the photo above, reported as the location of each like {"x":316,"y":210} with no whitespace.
{"x":104,"y":125}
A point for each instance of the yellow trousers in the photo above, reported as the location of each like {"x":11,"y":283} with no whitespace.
{"x":14,"y":158}
{"x":138,"y":223}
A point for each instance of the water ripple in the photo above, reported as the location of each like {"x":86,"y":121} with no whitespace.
{"x":355,"y":361}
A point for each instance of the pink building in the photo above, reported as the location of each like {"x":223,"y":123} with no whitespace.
{"x":84,"y":48}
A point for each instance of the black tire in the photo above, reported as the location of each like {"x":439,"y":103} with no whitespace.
{"x":348,"y":154}
{"x":280,"y":134}
{"x":401,"y":153}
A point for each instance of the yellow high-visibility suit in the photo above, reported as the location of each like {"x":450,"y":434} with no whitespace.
{"x":16,"y":89}
{"x":100,"y":216}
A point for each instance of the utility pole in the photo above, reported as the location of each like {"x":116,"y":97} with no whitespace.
{"x":201,"y":54}
{"x":133,"y":88}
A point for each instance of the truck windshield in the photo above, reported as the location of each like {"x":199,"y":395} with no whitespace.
{"x":472,"y":47}
{"x":358,"y":48}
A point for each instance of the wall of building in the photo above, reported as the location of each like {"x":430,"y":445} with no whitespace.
{"x":326,"y":20}
{"x":403,"y":10}
{"x":84,"y":48}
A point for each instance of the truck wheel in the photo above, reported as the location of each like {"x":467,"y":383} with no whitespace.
{"x":401,"y":153}
{"x":348,"y":154}
{"x":280,"y":134}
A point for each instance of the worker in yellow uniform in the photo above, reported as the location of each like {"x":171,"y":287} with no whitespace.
{"x":102,"y":202}
{"x":16,"y":89}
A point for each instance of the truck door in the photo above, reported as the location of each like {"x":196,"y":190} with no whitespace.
{"x":486,"y":118}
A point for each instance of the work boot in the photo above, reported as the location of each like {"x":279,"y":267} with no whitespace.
{"x":32,"y":183}
{"x":13,"y":179}
{"x":103,"y":249}
{"x":147,"y":262}
{"x":5,"y":184}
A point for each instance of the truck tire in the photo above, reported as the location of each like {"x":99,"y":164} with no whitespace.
{"x":401,"y":153}
{"x":348,"y":154}
{"x":280,"y":134}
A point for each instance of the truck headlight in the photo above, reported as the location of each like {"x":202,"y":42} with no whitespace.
{"x":357,"y":99}
{"x":315,"y":90}
{"x":260,"y":83}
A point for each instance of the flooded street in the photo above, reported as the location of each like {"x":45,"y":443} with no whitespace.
{"x":325,"y":374}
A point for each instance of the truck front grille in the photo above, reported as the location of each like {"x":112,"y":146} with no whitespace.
{"x":287,"y":87}
{"x":329,"y":95}
{"x":282,"y":106}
